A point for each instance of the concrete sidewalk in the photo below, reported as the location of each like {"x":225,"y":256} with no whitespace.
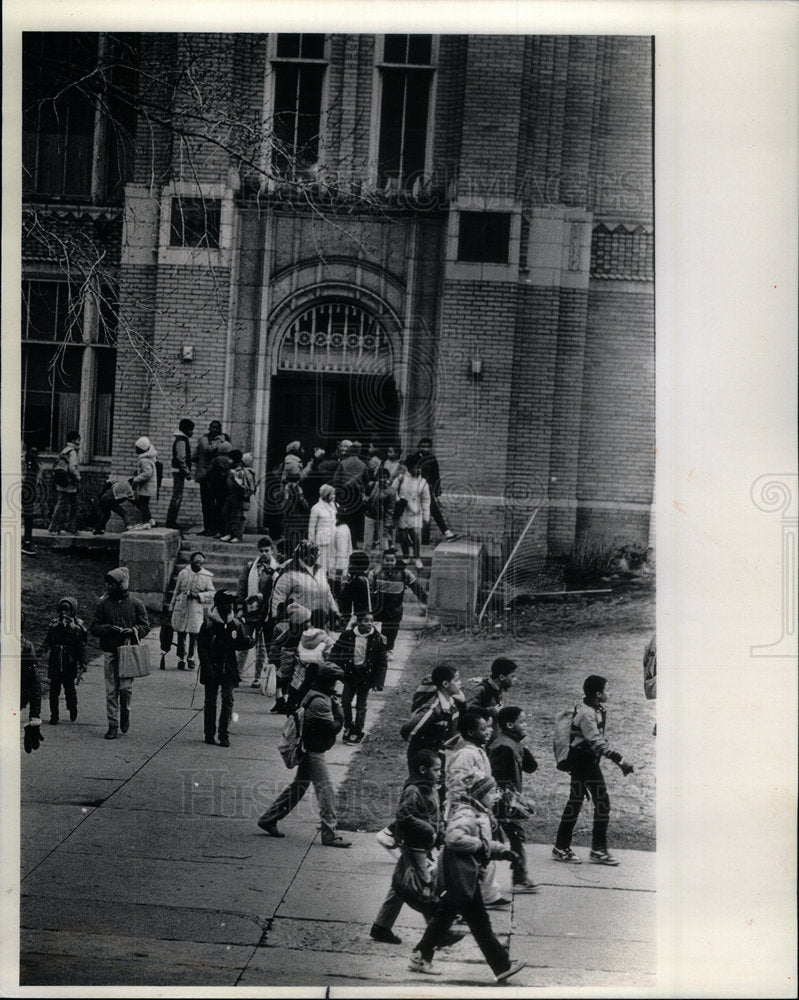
{"x":142,"y":865}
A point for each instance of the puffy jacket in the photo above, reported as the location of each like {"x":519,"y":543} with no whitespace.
{"x":467,"y":848}
{"x":464,"y":766}
{"x":305,"y":587}
{"x":145,"y":482}
{"x":324,"y":719}
{"x":418,"y":820}
{"x":66,"y":641}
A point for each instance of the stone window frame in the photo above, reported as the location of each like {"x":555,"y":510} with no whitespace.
{"x":201,"y":255}
{"x":484,"y":270}
{"x":91,"y":347}
{"x":271,"y":176}
{"x":380,"y":65}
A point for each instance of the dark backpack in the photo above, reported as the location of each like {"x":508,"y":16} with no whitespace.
{"x":290,"y":746}
{"x":61,"y":475}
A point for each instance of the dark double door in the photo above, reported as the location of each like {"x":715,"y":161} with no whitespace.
{"x":321,"y":409}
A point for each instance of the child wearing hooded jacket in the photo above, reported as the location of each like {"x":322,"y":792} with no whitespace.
{"x":313,"y":648}
{"x":468,"y":847}
{"x":65,"y":643}
{"x":145,"y":481}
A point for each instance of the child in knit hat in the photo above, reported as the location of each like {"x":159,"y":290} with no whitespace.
{"x":283,"y":651}
{"x":468,"y":847}
{"x":145,"y":481}
{"x":312,"y":649}
{"x":65,"y":644}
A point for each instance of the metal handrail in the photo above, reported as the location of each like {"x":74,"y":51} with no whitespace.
{"x":508,"y":560}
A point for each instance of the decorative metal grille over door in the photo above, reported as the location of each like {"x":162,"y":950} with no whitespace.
{"x":335,"y":337}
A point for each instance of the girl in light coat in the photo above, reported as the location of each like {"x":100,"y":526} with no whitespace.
{"x":413,"y":497}
{"x":145,"y":482}
{"x":322,"y":525}
{"x":194,"y":593}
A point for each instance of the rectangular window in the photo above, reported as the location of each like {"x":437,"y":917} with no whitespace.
{"x":299,"y":72}
{"x":484,"y":237}
{"x":406,"y":82}
{"x":195,"y":222}
{"x":53,"y":360}
{"x":67,"y":77}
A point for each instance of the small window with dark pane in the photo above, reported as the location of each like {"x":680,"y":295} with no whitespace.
{"x":299,"y":74}
{"x":406,"y":79}
{"x":484,"y":237}
{"x":195,"y":222}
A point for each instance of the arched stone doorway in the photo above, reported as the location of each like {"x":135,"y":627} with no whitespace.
{"x":333,"y":379}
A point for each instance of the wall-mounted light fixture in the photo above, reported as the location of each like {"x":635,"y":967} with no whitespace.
{"x":187,"y":352}
{"x":477,"y":368}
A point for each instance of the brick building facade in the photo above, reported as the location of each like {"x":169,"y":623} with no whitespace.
{"x":377,"y":237}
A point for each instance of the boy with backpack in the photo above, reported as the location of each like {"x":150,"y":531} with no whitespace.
{"x":361,"y":653}
{"x":587,"y":746}
{"x":319,"y":720}
{"x":65,"y":643}
{"x":510,"y":761}
{"x":489,"y":692}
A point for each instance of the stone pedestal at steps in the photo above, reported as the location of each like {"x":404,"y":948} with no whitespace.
{"x":150,"y":557}
{"x":457,"y":571}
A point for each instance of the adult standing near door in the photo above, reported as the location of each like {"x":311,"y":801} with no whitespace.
{"x":203,"y":456}
{"x":428,"y":464}
{"x":181,"y":469}
{"x":349,"y":481}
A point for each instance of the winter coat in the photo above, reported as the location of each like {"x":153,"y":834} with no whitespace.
{"x":66,"y":640}
{"x":312,"y":648}
{"x":428,"y":466}
{"x":206,"y":448}
{"x":467,"y":848}
{"x":416,"y":493}
{"x":380,"y":505}
{"x":30,"y":687}
{"x":342,"y":548}
{"x":187,"y":611}
{"x":121,"y":610}
{"x":121,"y":490}
{"x":487,"y":694}
{"x":395,"y":470}
{"x":433,"y":724}
{"x":305,"y":587}
{"x":322,"y":523}
{"x":292,"y":464}
{"x":354,"y":597}
{"x":510,"y":761}
{"x":218,"y":642}
{"x":375,"y":662}
{"x":350,"y":481}
{"x":241,"y":484}
{"x":465,"y":765}
{"x":70,"y":454}
{"x":418,"y":820}
{"x":323,"y":721}
{"x":388,"y":589}
{"x":145,"y":482}
{"x":181,"y":454}
{"x":587,"y":741}
{"x":264,"y":583}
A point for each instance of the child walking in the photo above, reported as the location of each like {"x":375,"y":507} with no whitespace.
{"x":66,"y":662}
{"x":468,"y":847}
{"x":510,"y":761}
{"x":361,"y":653}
